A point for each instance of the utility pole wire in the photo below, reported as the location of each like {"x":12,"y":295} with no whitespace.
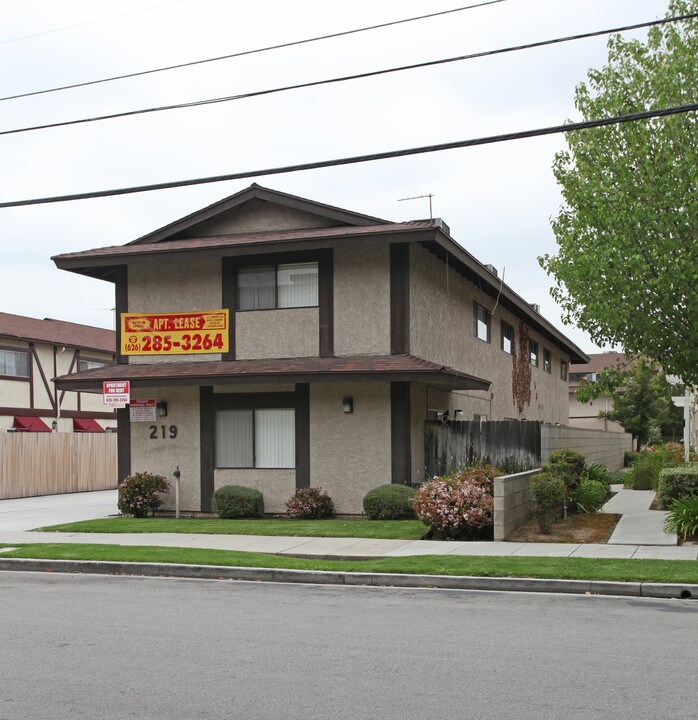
{"x":520,"y":135}
{"x":242,"y":53}
{"x":358,"y":76}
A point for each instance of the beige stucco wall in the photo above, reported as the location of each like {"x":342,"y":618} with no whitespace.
{"x":362,"y":299}
{"x":442,"y":331}
{"x":349,"y":453}
{"x":287,"y":333}
{"x":277,"y":485}
{"x":161,"y":456}
{"x":258,"y":215}
{"x":191,"y":283}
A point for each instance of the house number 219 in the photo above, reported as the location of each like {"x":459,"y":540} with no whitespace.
{"x":164,"y":432}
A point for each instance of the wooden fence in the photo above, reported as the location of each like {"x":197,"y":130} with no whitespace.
{"x":515,"y":446}
{"x":52,"y":463}
{"x":509,"y":444}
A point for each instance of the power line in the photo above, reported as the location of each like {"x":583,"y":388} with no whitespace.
{"x":247,"y":52}
{"x":492,"y":139}
{"x":346,"y":78}
{"x":88,"y":22}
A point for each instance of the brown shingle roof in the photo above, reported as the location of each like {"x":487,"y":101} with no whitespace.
{"x":239,"y":240}
{"x":598,"y":362}
{"x":57,"y":332}
{"x":311,"y":369}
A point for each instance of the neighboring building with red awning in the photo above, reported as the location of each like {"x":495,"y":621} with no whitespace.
{"x":32,"y":353}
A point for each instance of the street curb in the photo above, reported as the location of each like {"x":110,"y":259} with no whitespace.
{"x":322,"y":577}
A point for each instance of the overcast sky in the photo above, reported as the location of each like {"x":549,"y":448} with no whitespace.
{"x":497,"y":199}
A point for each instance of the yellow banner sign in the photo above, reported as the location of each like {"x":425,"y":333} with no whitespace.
{"x":186,"y":333}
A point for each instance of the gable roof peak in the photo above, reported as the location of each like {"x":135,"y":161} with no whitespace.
{"x":174,"y":230}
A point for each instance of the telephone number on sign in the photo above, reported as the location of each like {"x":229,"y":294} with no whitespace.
{"x":155,"y":343}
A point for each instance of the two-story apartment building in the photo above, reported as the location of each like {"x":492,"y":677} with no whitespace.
{"x":292,"y":343}
{"x":32,"y":353}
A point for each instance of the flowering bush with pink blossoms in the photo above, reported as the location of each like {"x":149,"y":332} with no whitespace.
{"x":459,"y":506}
{"x":310,"y":504}
{"x":139,"y":494}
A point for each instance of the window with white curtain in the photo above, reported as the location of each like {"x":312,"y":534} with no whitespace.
{"x":256,"y":438}
{"x":14,"y":363}
{"x":278,"y":286}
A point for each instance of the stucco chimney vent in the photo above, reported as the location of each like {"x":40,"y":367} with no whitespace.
{"x":535,"y":306}
{"x":493,"y":270}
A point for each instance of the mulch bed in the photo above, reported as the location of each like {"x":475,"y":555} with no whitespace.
{"x":587,"y":528}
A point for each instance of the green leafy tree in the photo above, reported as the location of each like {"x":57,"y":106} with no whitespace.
{"x":641,"y":400}
{"x":626,"y":270}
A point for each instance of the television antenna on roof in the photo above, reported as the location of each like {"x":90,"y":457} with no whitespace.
{"x":417,"y":197}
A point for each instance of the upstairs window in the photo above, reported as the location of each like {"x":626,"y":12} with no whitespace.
{"x":507,"y":338}
{"x":91,"y":364}
{"x":268,"y":287}
{"x":482,"y":322}
{"x":533,"y":352}
{"x":563,"y":370}
{"x":14,"y":363}
{"x":547,"y":361}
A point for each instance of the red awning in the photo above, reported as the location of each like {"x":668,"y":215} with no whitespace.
{"x":30,"y":424}
{"x":86,"y":425}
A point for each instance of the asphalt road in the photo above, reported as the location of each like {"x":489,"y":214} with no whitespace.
{"x":96,"y":647}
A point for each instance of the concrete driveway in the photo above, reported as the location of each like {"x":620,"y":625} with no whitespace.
{"x":34,"y":512}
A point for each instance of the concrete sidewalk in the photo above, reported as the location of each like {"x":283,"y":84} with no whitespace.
{"x":638,"y":524}
{"x":355,"y":548}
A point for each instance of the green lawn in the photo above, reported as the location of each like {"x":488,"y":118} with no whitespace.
{"x":672,"y":571}
{"x":360,"y":528}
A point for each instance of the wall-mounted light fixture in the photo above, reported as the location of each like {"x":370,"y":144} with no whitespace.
{"x":161,"y":408}
{"x":348,"y":405}
{"x":54,"y":426}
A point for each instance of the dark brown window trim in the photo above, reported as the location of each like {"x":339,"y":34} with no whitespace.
{"x":400,"y":299}
{"x":512,"y":340}
{"x":488,"y":322}
{"x":302,"y":435}
{"x":324,"y":259}
{"x":400,"y":434}
{"x":206,"y":447}
{"x":21,"y":378}
{"x":252,"y":402}
{"x":121,"y":306}
{"x":123,"y":443}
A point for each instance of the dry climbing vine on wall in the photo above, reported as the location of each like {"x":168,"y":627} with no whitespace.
{"x":521,"y":372}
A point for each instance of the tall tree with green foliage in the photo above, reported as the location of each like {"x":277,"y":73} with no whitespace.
{"x":626,"y":270}
{"x":641,"y":400}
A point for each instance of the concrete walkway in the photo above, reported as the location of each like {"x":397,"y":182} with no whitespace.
{"x":638,"y":524}
{"x":19,"y":516}
{"x":355,"y":548}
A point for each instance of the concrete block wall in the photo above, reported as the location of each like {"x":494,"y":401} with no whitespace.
{"x":512,"y":502}
{"x":599,"y":447}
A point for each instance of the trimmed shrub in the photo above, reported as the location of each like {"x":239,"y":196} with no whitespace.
{"x":598,"y":473}
{"x":683,"y":517}
{"x":548,"y":490}
{"x":590,"y":495}
{"x":677,"y":483}
{"x":389,"y":502}
{"x":644,"y":472}
{"x":310,"y":504}
{"x":568,"y":464}
{"x":459,"y":506}
{"x":139,"y":494}
{"x":236,"y":501}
